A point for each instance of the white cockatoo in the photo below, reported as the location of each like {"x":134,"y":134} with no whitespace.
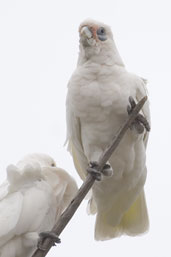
{"x":96,"y":107}
{"x":31,"y":201}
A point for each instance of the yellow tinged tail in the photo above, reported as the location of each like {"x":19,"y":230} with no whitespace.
{"x":134,"y":222}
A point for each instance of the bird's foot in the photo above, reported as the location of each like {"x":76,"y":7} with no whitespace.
{"x":48,"y":234}
{"x":107,"y":170}
{"x":93,"y":170}
{"x":140,"y":121}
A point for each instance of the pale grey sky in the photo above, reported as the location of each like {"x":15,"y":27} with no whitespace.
{"x":38,"y":53}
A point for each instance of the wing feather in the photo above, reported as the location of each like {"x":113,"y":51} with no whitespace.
{"x":74,"y":141}
{"x":10,"y":211}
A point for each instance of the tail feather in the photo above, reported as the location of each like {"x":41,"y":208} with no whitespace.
{"x":134,"y":222}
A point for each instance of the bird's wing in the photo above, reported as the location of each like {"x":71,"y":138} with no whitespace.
{"x":62,"y":185}
{"x":38,"y":209}
{"x":74,"y":140}
{"x":4,"y":189}
{"x":10,"y":210}
{"x":66,"y":186}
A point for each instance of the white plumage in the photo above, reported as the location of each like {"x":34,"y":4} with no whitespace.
{"x":97,"y":100}
{"x":31,"y":200}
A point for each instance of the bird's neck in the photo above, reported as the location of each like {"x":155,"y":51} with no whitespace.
{"x":107,"y":55}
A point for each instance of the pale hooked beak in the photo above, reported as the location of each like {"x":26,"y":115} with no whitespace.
{"x":87,"y":36}
{"x":86,"y":32}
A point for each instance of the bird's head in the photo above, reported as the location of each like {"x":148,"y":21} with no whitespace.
{"x":96,"y":42}
{"x":93,"y":33}
{"x":43,"y":160}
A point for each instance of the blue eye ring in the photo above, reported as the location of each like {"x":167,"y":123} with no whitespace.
{"x":101,"y":33}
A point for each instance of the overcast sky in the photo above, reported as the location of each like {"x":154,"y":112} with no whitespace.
{"x":38,"y":53}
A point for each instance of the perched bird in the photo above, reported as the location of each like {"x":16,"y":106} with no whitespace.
{"x":31,"y":201}
{"x":96,"y":107}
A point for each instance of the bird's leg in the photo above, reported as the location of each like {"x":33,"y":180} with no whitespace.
{"x":93,"y":169}
{"x":140,"y":121}
{"x":47,"y":234}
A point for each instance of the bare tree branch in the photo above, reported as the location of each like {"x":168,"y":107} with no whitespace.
{"x":86,"y":186}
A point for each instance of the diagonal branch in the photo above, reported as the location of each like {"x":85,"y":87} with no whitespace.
{"x":86,"y":186}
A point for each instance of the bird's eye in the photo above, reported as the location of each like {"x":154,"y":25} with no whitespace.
{"x":101,"y":33}
{"x":53,"y":165}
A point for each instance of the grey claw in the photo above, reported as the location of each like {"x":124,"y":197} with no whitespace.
{"x":93,"y":170}
{"x":139,"y":128}
{"x":96,"y":174}
{"x":132,"y":105}
{"x":47,"y":234}
{"x":143,"y":121}
{"x":107,"y":170}
{"x":93,"y":164}
{"x":140,"y":121}
{"x":132,"y":102}
{"x":129,"y":109}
